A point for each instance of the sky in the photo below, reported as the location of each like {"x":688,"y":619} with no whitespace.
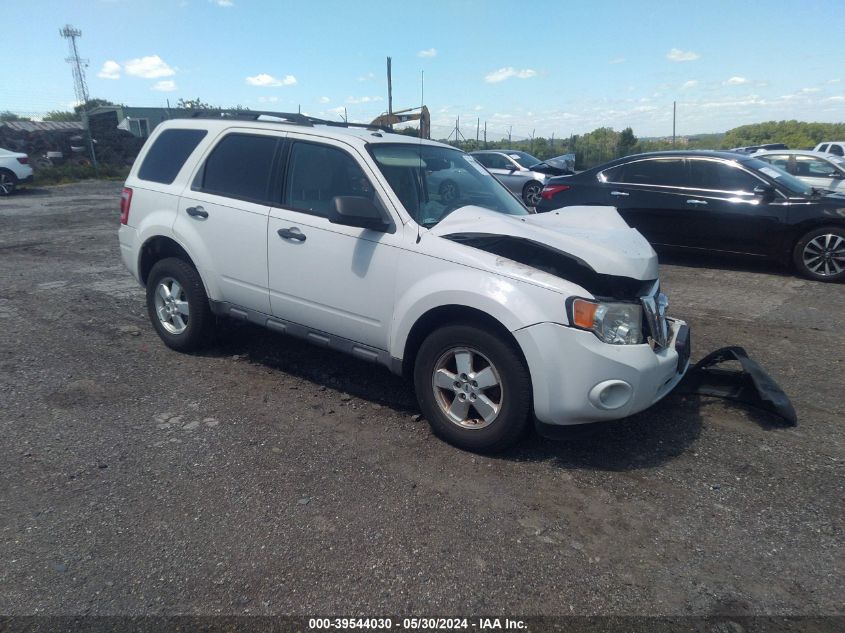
{"x":526,"y":68}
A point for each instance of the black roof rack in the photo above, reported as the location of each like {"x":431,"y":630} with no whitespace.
{"x":296,"y":118}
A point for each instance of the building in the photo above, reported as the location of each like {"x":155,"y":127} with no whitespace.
{"x":140,"y":122}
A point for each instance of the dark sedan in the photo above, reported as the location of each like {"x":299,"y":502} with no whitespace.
{"x":716,"y":201}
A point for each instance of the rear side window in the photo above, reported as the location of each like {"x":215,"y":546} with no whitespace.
{"x":836,"y":149}
{"x":668,"y":172}
{"x":714,"y":175}
{"x":240,"y":167}
{"x":168,"y":153}
{"x":823,"y":148}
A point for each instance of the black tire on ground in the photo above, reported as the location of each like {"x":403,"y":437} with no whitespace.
{"x":531,"y":193}
{"x":449,"y":191}
{"x":820,"y":254}
{"x":513,"y":396}
{"x":8,"y":182}
{"x":200,"y":320}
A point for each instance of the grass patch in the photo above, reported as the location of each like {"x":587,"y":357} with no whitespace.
{"x":63,"y":174}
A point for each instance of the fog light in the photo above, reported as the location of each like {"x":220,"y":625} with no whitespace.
{"x":611,"y":394}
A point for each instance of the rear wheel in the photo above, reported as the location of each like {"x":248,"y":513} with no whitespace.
{"x":820,"y":254}
{"x":8,"y":182}
{"x":178,"y":306}
{"x":531,"y":193}
{"x":473,"y":388}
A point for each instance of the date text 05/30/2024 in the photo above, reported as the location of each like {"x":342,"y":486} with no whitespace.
{"x":425,"y":624}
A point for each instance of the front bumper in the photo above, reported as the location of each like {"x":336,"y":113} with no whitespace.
{"x":577,"y":378}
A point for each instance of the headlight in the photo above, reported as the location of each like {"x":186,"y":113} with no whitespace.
{"x":614,"y":323}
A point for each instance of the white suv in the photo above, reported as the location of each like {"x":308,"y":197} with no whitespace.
{"x":14,"y":170}
{"x":335,"y":233}
{"x":837,"y":148}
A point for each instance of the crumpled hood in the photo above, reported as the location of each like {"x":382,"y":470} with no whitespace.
{"x":595,"y":235}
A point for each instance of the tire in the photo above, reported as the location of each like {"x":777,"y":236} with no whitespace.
{"x":820,"y":254}
{"x":184,"y":320}
{"x":449,"y":191}
{"x":452,"y":367}
{"x":531,"y":193}
{"x":8,"y":182}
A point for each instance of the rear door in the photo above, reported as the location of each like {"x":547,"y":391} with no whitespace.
{"x":224,"y":214}
{"x":817,"y":172}
{"x":649,"y":194}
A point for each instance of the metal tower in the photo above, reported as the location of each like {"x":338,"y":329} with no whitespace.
{"x":79,"y":65}
{"x":80,"y":88}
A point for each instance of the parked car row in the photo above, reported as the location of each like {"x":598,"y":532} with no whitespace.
{"x":717,"y":201}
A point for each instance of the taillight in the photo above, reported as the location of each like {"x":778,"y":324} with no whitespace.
{"x":550,"y":191}
{"x":24,"y":160}
{"x":125,"y":201}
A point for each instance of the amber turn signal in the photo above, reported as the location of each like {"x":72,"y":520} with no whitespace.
{"x":583,"y":313}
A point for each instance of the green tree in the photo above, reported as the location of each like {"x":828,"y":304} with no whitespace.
{"x":61,"y":115}
{"x":7,"y":115}
{"x":627,"y":142}
{"x":195,"y":104}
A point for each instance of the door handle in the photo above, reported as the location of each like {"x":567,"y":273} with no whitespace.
{"x":619,"y":193}
{"x":196,"y":212}
{"x":291,"y":234}
{"x":693,"y":201}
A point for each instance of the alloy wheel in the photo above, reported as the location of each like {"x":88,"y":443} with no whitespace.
{"x":467,"y":388}
{"x":7,"y":184}
{"x":171,"y":305}
{"x":824,"y":255}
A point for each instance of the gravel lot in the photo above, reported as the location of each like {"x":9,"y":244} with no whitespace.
{"x":268,"y":476}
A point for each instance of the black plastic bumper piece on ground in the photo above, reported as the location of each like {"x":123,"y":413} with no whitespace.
{"x":752,"y":385}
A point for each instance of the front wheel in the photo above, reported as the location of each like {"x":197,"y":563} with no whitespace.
{"x":473,"y":388}
{"x":178,"y":306}
{"x":531,"y":193}
{"x":820,"y":254}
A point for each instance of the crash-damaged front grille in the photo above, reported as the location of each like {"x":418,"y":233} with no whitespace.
{"x":656,"y":327}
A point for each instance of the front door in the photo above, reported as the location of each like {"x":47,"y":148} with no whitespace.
{"x":332,"y":278}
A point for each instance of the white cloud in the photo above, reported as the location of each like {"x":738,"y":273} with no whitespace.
{"x":150,"y":67}
{"x":429,"y":52}
{"x":692,"y":83}
{"x":167,"y":85}
{"x":617,"y":60}
{"x":324,"y":99}
{"x":836,"y":98}
{"x":356,"y":100}
{"x":478,"y":108}
{"x":808,"y":90}
{"x":677,"y":55}
{"x":367,"y":77}
{"x":263,"y":80}
{"x":272,"y":99}
{"x":337,"y":110}
{"x":223,"y":3}
{"x":110,"y":70}
{"x":736,"y":81}
{"x":833,"y":81}
{"x":506,"y":73}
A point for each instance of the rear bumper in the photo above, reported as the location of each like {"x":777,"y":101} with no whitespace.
{"x":128,"y":238}
{"x":577,"y":378}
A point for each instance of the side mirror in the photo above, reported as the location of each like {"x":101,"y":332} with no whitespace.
{"x":511,"y":167}
{"x":357,"y":211}
{"x":766,"y":192}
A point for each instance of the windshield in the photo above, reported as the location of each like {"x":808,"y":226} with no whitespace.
{"x":431,"y":181}
{"x":524,"y":159}
{"x":790,"y":183}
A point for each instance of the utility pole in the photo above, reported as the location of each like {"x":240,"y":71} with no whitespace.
{"x":389,"y":90}
{"x":553,"y":143}
{"x":80,"y":87}
{"x":485,"y":135}
{"x":673,"y":123}
{"x":510,"y":128}
{"x":477,"y":129}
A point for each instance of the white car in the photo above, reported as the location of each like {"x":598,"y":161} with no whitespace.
{"x":14,"y":170}
{"x":819,"y":170}
{"x":837,"y":148}
{"x":334,"y":233}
